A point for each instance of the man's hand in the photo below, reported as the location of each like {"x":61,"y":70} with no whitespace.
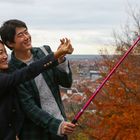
{"x":67,"y":128}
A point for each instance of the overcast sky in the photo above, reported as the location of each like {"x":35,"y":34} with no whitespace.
{"x":88,"y":23}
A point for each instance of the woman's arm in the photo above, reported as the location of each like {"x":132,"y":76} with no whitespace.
{"x":28,"y":72}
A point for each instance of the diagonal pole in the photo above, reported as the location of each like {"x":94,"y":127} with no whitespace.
{"x":103,"y":82}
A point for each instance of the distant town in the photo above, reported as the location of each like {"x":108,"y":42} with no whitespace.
{"x":86,"y":77}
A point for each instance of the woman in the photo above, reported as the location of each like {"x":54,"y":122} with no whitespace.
{"x":11,"y":116}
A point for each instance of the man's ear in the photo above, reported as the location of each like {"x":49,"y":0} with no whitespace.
{"x":10,"y":45}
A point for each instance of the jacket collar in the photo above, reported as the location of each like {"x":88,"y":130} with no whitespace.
{"x":18,"y":63}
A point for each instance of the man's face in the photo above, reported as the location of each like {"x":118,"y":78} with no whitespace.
{"x":22,"y":41}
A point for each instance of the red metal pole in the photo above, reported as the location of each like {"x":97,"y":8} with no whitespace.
{"x":103,"y":82}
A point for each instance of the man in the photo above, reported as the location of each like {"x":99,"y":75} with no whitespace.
{"x":40,"y":98}
{"x":11,"y":115}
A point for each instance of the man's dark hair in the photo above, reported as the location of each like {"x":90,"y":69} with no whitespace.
{"x":8,"y":30}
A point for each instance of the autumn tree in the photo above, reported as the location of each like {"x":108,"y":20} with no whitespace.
{"x":117,"y":105}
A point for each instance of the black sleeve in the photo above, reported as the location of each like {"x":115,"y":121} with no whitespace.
{"x":28,"y":72}
{"x":61,"y":77}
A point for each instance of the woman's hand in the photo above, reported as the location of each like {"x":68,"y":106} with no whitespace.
{"x":64,"y":48}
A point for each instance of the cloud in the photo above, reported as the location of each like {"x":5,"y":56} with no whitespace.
{"x":17,"y":1}
{"x":65,"y":15}
{"x":83,"y":41}
{"x":68,"y":14}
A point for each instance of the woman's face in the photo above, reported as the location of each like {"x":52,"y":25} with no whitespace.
{"x":3,"y":57}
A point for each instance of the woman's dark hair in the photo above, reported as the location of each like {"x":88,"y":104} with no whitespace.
{"x":1,"y":42}
{"x":8,"y":30}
